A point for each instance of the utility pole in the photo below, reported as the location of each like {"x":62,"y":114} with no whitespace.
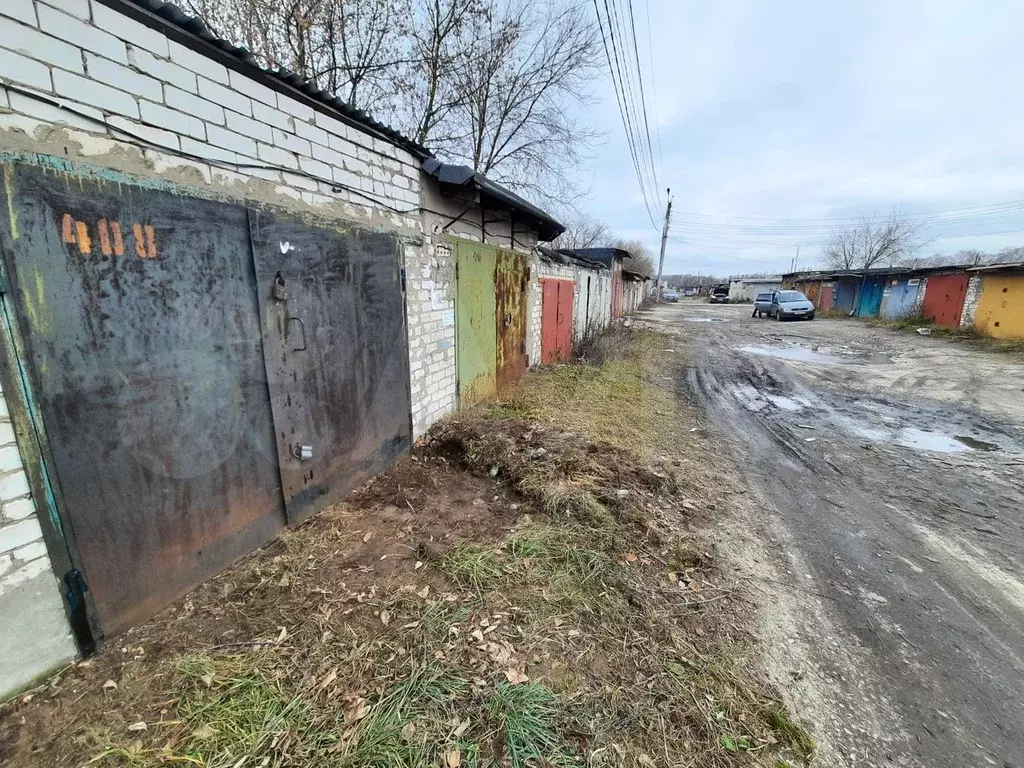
{"x":796,"y":260}
{"x":664,"y":239}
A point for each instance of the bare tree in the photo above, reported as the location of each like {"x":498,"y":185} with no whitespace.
{"x":531,"y":65}
{"x":582,"y":231}
{"x":643,"y":259}
{"x":489,"y":83}
{"x":441,"y":40}
{"x":873,"y":242}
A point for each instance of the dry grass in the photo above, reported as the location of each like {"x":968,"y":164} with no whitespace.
{"x":595,"y":632}
{"x":967,"y":334}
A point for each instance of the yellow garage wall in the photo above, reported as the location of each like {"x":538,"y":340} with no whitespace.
{"x":1001,"y":308}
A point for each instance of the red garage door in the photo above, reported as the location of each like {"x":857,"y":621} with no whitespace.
{"x":556,"y":320}
{"x":944,"y":299}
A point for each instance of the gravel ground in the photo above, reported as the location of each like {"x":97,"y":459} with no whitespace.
{"x":878,"y":481}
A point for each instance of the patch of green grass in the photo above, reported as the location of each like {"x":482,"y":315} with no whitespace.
{"x":523,"y":716}
{"x":406,"y":727}
{"x":245,"y":714}
{"x":474,"y":566}
{"x":608,"y":399}
{"x":790,"y":733}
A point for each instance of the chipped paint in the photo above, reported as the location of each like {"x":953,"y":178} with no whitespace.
{"x":12,"y":214}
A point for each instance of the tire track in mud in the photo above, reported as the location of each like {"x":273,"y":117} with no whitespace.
{"x":914,"y":655}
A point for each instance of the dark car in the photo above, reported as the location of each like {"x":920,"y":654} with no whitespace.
{"x":719,"y":295}
{"x":789,"y":305}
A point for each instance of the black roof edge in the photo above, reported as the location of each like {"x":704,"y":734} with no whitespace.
{"x":548,"y":228}
{"x":565,"y":256}
{"x":850,"y":274}
{"x":193,"y":33}
{"x":601,"y":253}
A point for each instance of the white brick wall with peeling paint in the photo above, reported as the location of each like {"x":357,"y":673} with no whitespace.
{"x":971,"y":299}
{"x":34,"y":634}
{"x":81,"y":82}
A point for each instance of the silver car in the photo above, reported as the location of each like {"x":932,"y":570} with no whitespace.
{"x":785,"y":305}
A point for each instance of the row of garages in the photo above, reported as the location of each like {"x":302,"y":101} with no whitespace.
{"x":989,"y":298}
{"x":223,"y":312}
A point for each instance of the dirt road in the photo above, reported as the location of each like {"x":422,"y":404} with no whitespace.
{"x":881,"y":516}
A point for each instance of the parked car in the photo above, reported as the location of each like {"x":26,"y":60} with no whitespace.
{"x":719,"y":295}
{"x":785,"y":305}
{"x":670,"y":295}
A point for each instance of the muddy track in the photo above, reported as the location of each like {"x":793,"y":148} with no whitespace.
{"x":894,"y":492}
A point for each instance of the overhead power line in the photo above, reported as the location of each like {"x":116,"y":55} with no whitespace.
{"x":798,"y":219}
{"x":617,"y":35}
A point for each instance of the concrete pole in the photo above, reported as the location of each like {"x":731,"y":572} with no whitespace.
{"x":664,"y":240}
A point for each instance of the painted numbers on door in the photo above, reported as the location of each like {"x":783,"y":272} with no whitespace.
{"x":109,"y":239}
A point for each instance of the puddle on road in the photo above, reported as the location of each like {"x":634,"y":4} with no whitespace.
{"x":820,"y":355}
{"x":922,"y":439}
{"x":706,"y":320}
{"x":785,"y":403}
{"x":925,"y":439}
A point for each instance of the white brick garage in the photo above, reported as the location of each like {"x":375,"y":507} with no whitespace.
{"x":109,"y":87}
{"x":90,"y":85}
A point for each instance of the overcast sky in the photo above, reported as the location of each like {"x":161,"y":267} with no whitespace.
{"x":783,"y":109}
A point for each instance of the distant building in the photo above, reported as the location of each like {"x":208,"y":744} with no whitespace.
{"x":745,"y":289}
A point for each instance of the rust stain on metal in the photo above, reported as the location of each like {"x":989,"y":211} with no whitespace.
{"x":510,"y":281}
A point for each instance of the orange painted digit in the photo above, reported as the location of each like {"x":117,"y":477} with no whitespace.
{"x":115,"y":228}
{"x":101,"y":227}
{"x":150,"y":241}
{"x":140,"y":246}
{"x":84,"y":243}
{"x":67,"y":229}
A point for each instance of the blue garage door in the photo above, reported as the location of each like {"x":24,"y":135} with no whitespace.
{"x":870,"y":297}
{"x":901,"y":299}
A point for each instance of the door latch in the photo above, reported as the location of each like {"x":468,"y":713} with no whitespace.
{"x":280,"y":292}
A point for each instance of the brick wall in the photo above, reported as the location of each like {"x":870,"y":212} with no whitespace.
{"x":430,"y":304}
{"x":600,"y":305}
{"x":971,"y":299}
{"x":918,"y":307}
{"x":141,"y":101}
{"x":34,"y":634}
{"x":127,"y":78}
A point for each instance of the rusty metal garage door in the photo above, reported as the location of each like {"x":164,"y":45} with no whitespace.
{"x":336,"y":356}
{"x":144,"y":351}
{"x":511,"y":277}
